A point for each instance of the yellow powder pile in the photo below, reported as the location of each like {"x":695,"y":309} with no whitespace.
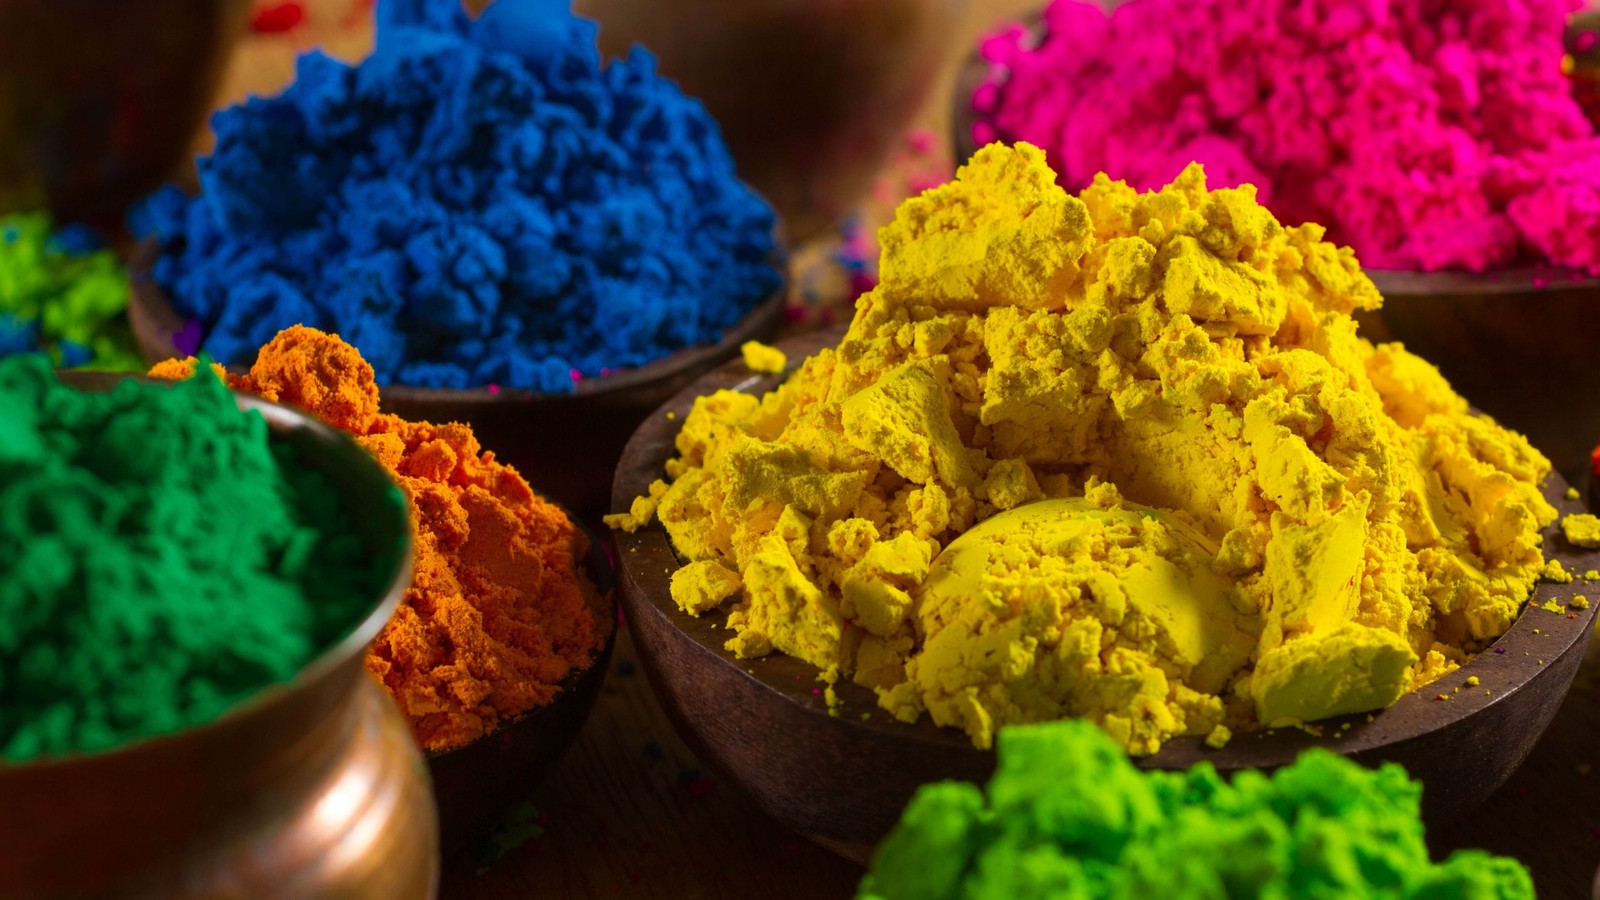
{"x":1250,"y":514}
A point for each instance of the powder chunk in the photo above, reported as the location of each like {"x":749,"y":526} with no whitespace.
{"x":1067,"y":817}
{"x":1581,"y":530}
{"x":703,"y":585}
{"x":1163,"y":483}
{"x":500,"y":611}
{"x":1425,"y":135}
{"x":761,"y":357}
{"x":160,"y":560}
{"x":478,"y":202}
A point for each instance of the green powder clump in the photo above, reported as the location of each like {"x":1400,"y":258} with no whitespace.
{"x":160,"y":560}
{"x":1068,"y":816}
{"x":59,"y":296}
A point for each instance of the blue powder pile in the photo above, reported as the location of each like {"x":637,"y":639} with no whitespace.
{"x":479,"y":202}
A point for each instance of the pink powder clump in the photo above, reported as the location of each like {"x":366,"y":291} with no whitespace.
{"x":1426,"y":134}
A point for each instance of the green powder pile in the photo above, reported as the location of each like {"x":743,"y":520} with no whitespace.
{"x":59,"y":296}
{"x":160,"y":560}
{"x":1068,"y":816}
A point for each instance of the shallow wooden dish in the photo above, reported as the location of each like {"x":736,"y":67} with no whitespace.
{"x":843,"y":780}
{"x":565,"y":445}
{"x":1518,"y":342}
{"x":477,"y":785}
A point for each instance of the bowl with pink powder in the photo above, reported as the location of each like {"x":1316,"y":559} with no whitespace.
{"x":1442,"y":139}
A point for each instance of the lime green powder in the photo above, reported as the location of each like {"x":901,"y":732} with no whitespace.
{"x":160,"y":560}
{"x":1068,"y":816}
{"x":68,"y":301}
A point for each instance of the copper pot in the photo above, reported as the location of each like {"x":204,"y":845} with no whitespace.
{"x":811,"y":94}
{"x":312,"y":788}
{"x":100,"y":100}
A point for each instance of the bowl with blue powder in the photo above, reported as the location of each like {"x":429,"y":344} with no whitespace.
{"x":513,"y":231}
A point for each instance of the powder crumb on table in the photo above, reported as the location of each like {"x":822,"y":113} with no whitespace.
{"x":1581,"y":530}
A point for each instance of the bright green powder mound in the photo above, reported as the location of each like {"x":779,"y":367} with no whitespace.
{"x":1068,"y":816}
{"x":160,"y":560}
{"x":63,"y":299}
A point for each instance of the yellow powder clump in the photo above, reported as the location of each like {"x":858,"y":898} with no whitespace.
{"x":759,"y":357}
{"x":1120,"y":456}
{"x":1582,"y":530}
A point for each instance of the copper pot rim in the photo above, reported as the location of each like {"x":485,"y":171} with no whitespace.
{"x":282,"y":422}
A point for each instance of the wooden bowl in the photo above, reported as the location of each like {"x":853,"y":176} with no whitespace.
{"x":810,"y":96}
{"x":565,"y":445}
{"x":100,"y":101}
{"x":478,"y":784}
{"x":843,"y":779}
{"x":310,"y":788}
{"x":1518,"y":342}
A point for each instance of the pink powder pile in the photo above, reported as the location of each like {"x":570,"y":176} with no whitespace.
{"x":1426,"y":134}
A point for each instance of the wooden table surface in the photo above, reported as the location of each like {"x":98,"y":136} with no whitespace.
{"x":632,"y":813}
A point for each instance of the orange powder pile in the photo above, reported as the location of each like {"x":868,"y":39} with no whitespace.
{"x":498,"y":612}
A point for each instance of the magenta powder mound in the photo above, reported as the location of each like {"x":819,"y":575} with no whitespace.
{"x":1426,"y":134}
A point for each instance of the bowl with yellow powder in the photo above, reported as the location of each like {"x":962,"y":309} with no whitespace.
{"x":1115,"y":456}
{"x":566,"y":442}
{"x":191,"y":580}
{"x":497,"y":649}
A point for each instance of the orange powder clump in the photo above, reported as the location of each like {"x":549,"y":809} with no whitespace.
{"x":498,"y":613}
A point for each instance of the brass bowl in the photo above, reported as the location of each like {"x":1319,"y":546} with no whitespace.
{"x":811,"y":96}
{"x":565,"y":445}
{"x":480,"y":783}
{"x":1518,"y":342}
{"x":842,"y":780}
{"x":311,"y":788}
{"x":100,"y":99}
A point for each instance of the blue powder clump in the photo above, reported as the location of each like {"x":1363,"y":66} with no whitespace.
{"x":478,"y":202}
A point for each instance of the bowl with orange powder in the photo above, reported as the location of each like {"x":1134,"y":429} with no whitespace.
{"x":498,"y":648}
